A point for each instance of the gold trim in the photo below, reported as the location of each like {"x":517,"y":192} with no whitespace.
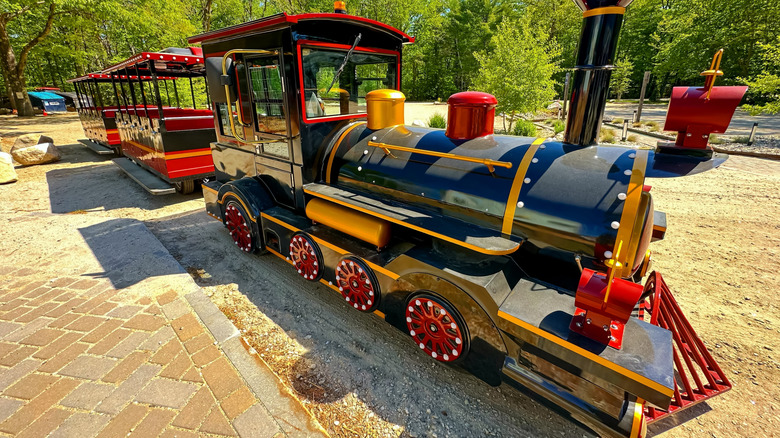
{"x":205,"y":187}
{"x":587,"y":354}
{"x":286,"y":259}
{"x":613,"y":10}
{"x":246,"y":209}
{"x":142,"y":147}
{"x":629,"y":215}
{"x":333,"y":247}
{"x":485,"y":161}
{"x":335,"y":148}
{"x":517,"y":184}
{"x":187,"y":155}
{"x":639,"y":412}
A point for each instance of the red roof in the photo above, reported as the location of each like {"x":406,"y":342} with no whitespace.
{"x":284,"y":20}
{"x":101,"y":76}
{"x":196,"y":57}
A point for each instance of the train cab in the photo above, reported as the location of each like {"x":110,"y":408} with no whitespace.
{"x":282,"y":85}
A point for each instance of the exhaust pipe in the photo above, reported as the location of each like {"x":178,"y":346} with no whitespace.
{"x":595,"y":57}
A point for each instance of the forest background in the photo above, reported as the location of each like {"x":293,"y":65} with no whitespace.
{"x":46,"y":42}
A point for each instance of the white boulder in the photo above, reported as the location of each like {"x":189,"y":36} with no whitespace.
{"x":7,"y":171}
{"x":36,"y":154}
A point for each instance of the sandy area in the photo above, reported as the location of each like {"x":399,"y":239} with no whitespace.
{"x":363,"y":378}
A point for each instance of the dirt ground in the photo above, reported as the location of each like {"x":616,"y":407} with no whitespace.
{"x":363,"y":378}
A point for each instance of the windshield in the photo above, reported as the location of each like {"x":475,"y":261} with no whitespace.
{"x":362,"y":73}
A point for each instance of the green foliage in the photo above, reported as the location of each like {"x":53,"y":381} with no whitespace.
{"x":765,"y":86}
{"x":524,"y":128}
{"x":437,"y":120}
{"x":520,"y":68}
{"x":715,"y":139}
{"x":621,"y":77}
{"x":558,"y":126}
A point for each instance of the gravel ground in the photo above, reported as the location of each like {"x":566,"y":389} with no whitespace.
{"x":363,"y":378}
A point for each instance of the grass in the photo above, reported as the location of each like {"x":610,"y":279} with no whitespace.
{"x":651,"y":123}
{"x":607,"y":136}
{"x":715,"y":139}
{"x":632,"y":138}
{"x":437,"y":120}
{"x":741,"y":139}
{"x":524,"y":128}
{"x":558,"y":126}
{"x":618,"y":121}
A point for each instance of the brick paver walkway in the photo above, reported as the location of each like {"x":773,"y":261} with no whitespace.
{"x":78,"y":358}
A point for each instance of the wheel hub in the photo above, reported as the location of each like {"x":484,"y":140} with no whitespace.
{"x":355,"y":285}
{"x":238,"y":228}
{"x":434,"y":330}
{"x":304,"y":257}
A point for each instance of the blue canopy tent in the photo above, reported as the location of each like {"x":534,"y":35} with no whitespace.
{"x":47,"y":101}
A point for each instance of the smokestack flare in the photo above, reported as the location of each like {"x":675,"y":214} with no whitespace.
{"x":595,"y":58}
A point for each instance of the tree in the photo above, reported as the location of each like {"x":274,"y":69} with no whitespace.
{"x":621,"y":77}
{"x":765,"y":86}
{"x":13,"y":67}
{"x":519,"y":71}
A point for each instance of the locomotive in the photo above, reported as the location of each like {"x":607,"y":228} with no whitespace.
{"x":519,"y":259}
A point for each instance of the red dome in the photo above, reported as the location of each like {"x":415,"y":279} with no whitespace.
{"x":472,"y":98}
{"x":471,"y":115}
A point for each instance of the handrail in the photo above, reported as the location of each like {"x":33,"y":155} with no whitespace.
{"x":486,"y":161}
{"x":227,"y":88}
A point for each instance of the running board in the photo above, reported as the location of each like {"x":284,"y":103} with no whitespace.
{"x":148,"y":181}
{"x":697,"y":375}
{"x":97,"y":147}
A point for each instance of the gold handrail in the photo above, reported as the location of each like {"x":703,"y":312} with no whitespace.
{"x":486,"y":161}
{"x":713,"y":72}
{"x":227,"y":89}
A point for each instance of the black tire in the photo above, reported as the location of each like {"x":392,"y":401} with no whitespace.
{"x":185,"y":187}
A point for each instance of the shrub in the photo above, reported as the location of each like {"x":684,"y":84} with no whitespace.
{"x":608,"y":136}
{"x":636,"y":124}
{"x":654,"y":128}
{"x":558,"y":126}
{"x":437,"y":121}
{"x":714,"y":139}
{"x":524,"y":128}
{"x":549,"y":122}
{"x":617,"y":121}
{"x":651,"y":124}
{"x":741,"y":139}
{"x":632,"y":138}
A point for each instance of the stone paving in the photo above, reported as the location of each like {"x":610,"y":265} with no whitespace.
{"x":110,"y":339}
{"x":79,"y":360}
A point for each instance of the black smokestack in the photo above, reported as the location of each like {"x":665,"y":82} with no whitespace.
{"x":595,"y":57}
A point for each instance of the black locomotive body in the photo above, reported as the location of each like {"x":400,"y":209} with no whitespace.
{"x":484,"y":248}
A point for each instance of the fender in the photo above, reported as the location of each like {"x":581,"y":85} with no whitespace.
{"x":253,"y":196}
{"x":487,"y":352}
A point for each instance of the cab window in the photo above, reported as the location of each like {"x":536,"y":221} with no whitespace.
{"x":326,"y":94}
{"x":267,"y":95}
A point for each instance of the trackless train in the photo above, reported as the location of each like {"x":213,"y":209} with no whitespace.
{"x":520,"y":259}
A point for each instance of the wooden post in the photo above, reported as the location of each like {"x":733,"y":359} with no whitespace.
{"x":565,"y":94}
{"x":752,"y":137}
{"x":645,"y":80}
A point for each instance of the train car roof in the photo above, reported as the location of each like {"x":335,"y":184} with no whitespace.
{"x":283,"y":20}
{"x":171,"y":61}
{"x":102,"y":77}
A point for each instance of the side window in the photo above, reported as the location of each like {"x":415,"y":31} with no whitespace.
{"x":268,"y":95}
{"x":224,"y":119}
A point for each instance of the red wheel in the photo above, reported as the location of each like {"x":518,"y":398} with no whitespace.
{"x":236,"y":221}
{"x":436,"y":328}
{"x":357,"y":284}
{"x":306,"y":257}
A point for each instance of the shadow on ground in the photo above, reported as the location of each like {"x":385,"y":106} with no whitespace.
{"x":127,"y":252}
{"x":352,"y":352}
{"x":99,"y":184}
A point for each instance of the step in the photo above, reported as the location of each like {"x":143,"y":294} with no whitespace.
{"x":147,"y":180}
{"x":97,"y":147}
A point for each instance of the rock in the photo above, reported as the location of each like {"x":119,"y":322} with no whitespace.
{"x":28,"y":140}
{"x":36,"y":154}
{"x":418,"y":122}
{"x":7,"y":171}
